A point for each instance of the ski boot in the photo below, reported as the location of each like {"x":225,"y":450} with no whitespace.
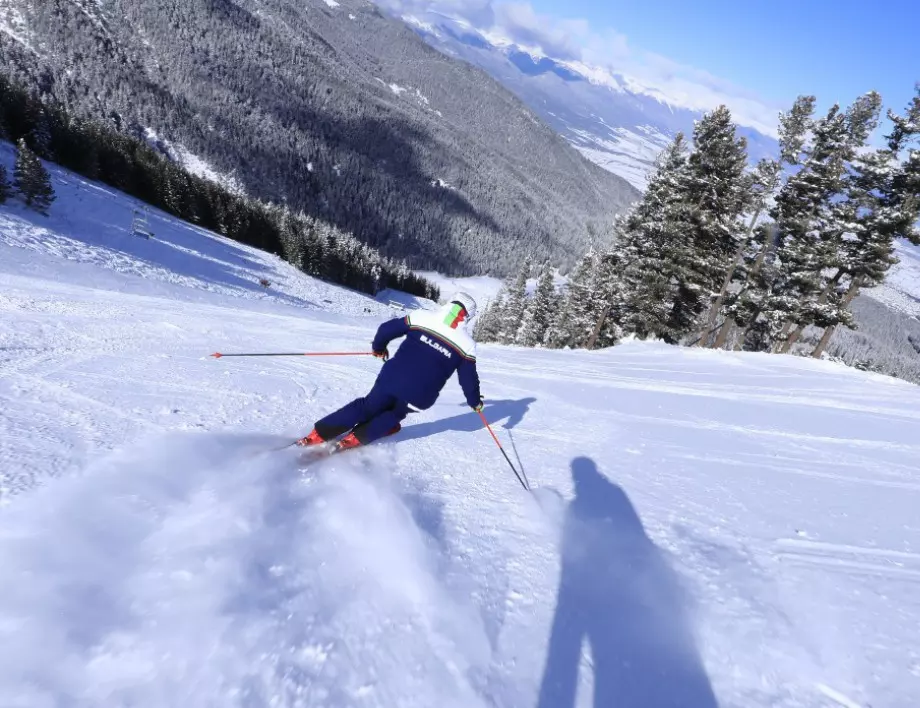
{"x":312,"y":439}
{"x":347,"y":443}
{"x":351,"y":440}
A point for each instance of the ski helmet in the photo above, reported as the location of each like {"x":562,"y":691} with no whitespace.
{"x":467,"y":302}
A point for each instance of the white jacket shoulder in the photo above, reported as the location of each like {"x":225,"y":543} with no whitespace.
{"x":434,"y":321}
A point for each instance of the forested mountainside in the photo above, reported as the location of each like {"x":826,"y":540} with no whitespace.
{"x":332,"y":108}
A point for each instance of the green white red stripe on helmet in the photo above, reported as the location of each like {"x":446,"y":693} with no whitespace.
{"x":466,"y":301}
{"x":455,"y":315}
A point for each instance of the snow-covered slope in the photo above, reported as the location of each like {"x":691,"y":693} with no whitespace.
{"x":901,"y":289}
{"x":705,"y":528}
{"x":483,"y":288}
{"x":91,"y":223}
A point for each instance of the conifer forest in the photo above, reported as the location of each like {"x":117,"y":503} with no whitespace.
{"x":718,"y":254}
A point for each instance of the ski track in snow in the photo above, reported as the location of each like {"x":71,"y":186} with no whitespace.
{"x":705,"y":529}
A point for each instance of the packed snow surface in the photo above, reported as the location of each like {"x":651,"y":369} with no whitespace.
{"x":704,"y":528}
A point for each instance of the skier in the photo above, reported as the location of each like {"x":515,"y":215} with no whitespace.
{"x":436,"y":345}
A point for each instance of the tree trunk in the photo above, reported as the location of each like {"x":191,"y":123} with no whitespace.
{"x":592,"y":340}
{"x":825,"y":338}
{"x":853,"y":291}
{"x":724,"y":331}
{"x":739,"y":345}
{"x":717,"y":305}
{"x":829,"y":288}
{"x":788,"y":340}
{"x":761,"y":257}
{"x":781,"y":339}
{"x":791,"y":340}
{"x":829,"y":332}
{"x":768,"y":245}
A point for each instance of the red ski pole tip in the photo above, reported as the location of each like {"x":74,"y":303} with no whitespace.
{"x":217,"y":355}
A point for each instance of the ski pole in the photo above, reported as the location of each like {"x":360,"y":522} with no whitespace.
{"x":218,"y":355}
{"x":507,"y":459}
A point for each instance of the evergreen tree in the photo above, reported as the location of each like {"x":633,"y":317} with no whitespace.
{"x":128,"y":163}
{"x":489,"y":322}
{"x":879,"y":205}
{"x":39,"y":137}
{"x":756,"y":269}
{"x":32,"y":179}
{"x":515,"y":304}
{"x":608,"y":296}
{"x":575,"y":321}
{"x":764,"y":181}
{"x":813,"y":224}
{"x":716,"y":191}
{"x":292,"y":241}
{"x":655,"y":243}
{"x":5,"y":186}
{"x":541,"y":310}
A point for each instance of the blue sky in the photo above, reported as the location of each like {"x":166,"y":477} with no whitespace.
{"x":755,"y":56}
{"x":835,"y":49}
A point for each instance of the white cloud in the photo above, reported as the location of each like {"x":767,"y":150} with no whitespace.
{"x":575,"y":40}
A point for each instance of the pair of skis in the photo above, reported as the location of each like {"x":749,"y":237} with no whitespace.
{"x":315,"y":452}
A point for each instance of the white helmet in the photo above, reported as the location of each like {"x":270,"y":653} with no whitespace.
{"x":467,"y":302}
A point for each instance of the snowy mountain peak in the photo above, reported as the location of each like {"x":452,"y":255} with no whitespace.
{"x":615,"y":119}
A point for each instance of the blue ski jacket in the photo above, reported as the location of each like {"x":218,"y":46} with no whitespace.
{"x":429,"y":356}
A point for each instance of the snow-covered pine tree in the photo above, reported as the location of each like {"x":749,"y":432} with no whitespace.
{"x":719,"y":189}
{"x":489,"y":322}
{"x":763,"y":183}
{"x":608,"y":299}
{"x":811,"y":251}
{"x":575,"y":321}
{"x":171,"y":188}
{"x":804,"y":217}
{"x":32,"y":180}
{"x":38,"y":120}
{"x":314,"y":245}
{"x":744,"y":308}
{"x":5,"y":187}
{"x":881,"y":203}
{"x":293,"y":247}
{"x":655,"y":243}
{"x":541,"y":309}
{"x":515,"y":304}
{"x":81,"y":150}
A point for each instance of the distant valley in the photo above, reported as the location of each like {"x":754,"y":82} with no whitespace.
{"x":608,"y":118}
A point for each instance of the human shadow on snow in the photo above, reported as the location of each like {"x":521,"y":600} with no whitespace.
{"x":509,"y":412}
{"x":618,"y":592}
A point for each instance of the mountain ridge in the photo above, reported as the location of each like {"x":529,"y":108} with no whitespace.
{"x":613,"y":119}
{"x":339,"y":111}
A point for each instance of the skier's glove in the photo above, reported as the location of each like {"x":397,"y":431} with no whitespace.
{"x":385,"y":354}
{"x":479,"y":406}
